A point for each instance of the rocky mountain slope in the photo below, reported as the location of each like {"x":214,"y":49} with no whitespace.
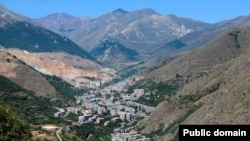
{"x":215,"y":86}
{"x":145,"y":31}
{"x":63,"y":23}
{"x":48,"y":52}
{"x":17,"y":31}
{"x":134,"y":29}
{"x":17,"y":71}
{"x":7,"y":17}
{"x":142,"y":31}
{"x":114,"y":54}
{"x":28,"y":99}
{"x":73,"y":69}
{"x":198,"y":38}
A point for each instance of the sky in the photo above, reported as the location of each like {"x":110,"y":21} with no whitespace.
{"x":210,"y":11}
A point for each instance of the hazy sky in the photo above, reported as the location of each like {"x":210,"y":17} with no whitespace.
{"x":204,"y":10}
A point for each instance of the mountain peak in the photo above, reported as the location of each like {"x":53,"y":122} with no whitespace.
{"x":119,"y":10}
{"x":7,"y":16}
{"x":58,"y":16}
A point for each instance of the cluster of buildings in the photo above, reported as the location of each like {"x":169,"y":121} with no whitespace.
{"x":90,"y":118}
{"x":113,"y":101}
{"x":132,"y":135}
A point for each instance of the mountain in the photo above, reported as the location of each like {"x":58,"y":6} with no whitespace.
{"x":113,"y":53}
{"x":29,"y":78}
{"x":142,"y":30}
{"x":199,"y":38}
{"x":48,"y":52}
{"x":73,"y":69}
{"x":23,"y":84}
{"x":17,"y":31}
{"x":63,"y":23}
{"x":7,"y":17}
{"x":28,"y":99}
{"x":20,"y":73}
{"x":214,"y":86}
{"x":19,"y":35}
{"x":152,"y":35}
{"x":138,"y":30}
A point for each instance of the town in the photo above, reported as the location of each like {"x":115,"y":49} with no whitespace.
{"x":112,"y":101}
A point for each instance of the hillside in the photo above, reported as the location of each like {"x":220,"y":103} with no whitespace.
{"x":215,"y":86}
{"x":11,"y":126}
{"x":152,"y":35}
{"x":21,"y":100}
{"x":201,"y":37}
{"x":23,"y":112}
{"x":19,"y":35}
{"x":142,"y":31}
{"x":73,"y":69}
{"x":113,"y":54}
{"x":48,"y":52}
{"x":17,"y":31}
{"x":24,"y":72}
{"x":138,"y":30}
{"x":25,"y":76}
{"x":63,"y":23}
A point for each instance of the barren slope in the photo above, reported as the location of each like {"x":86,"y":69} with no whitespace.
{"x":217,"y":87}
{"x":73,"y":69}
{"x":23,"y":75}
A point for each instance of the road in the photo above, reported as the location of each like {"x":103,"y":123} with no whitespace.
{"x":57,"y":134}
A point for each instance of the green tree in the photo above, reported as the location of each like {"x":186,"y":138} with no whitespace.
{"x":12,"y":128}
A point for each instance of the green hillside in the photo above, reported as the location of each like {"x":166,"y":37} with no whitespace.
{"x":12,"y":127}
{"x":35,"y":110}
{"x":26,"y":36}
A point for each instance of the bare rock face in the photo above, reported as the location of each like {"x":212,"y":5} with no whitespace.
{"x":23,"y":75}
{"x":75,"y":70}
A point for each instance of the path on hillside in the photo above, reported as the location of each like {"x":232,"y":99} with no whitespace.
{"x":57,"y":134}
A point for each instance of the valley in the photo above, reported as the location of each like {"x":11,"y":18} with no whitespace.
{"x":125,"y":75}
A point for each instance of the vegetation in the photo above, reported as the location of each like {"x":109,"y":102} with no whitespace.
{"x":172,"y":128}
{"x":12,"y":127}
{"x":19,"y":34}
{"x":36,"y":110}
{"x":176,"y":44}
{"x":9,"y":86}
{"x":64,"y":88}
{"x":93,"y":132}
{"x":185,"y":100}
{"x":158,"y":91}
{"x":73,"y":117}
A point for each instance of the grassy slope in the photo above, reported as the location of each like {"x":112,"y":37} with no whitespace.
{"x":216,"y":90}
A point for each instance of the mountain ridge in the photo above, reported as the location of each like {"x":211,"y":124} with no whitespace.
{"x":26,"y":40}
{"x":17,"y":30}
{"x":215,"y":86}
{"x":114,"y":54}
{"x":19,"y":72}
{"x":145,"y":29}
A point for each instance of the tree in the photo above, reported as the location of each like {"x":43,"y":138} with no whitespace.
{"x":12,"y":127}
